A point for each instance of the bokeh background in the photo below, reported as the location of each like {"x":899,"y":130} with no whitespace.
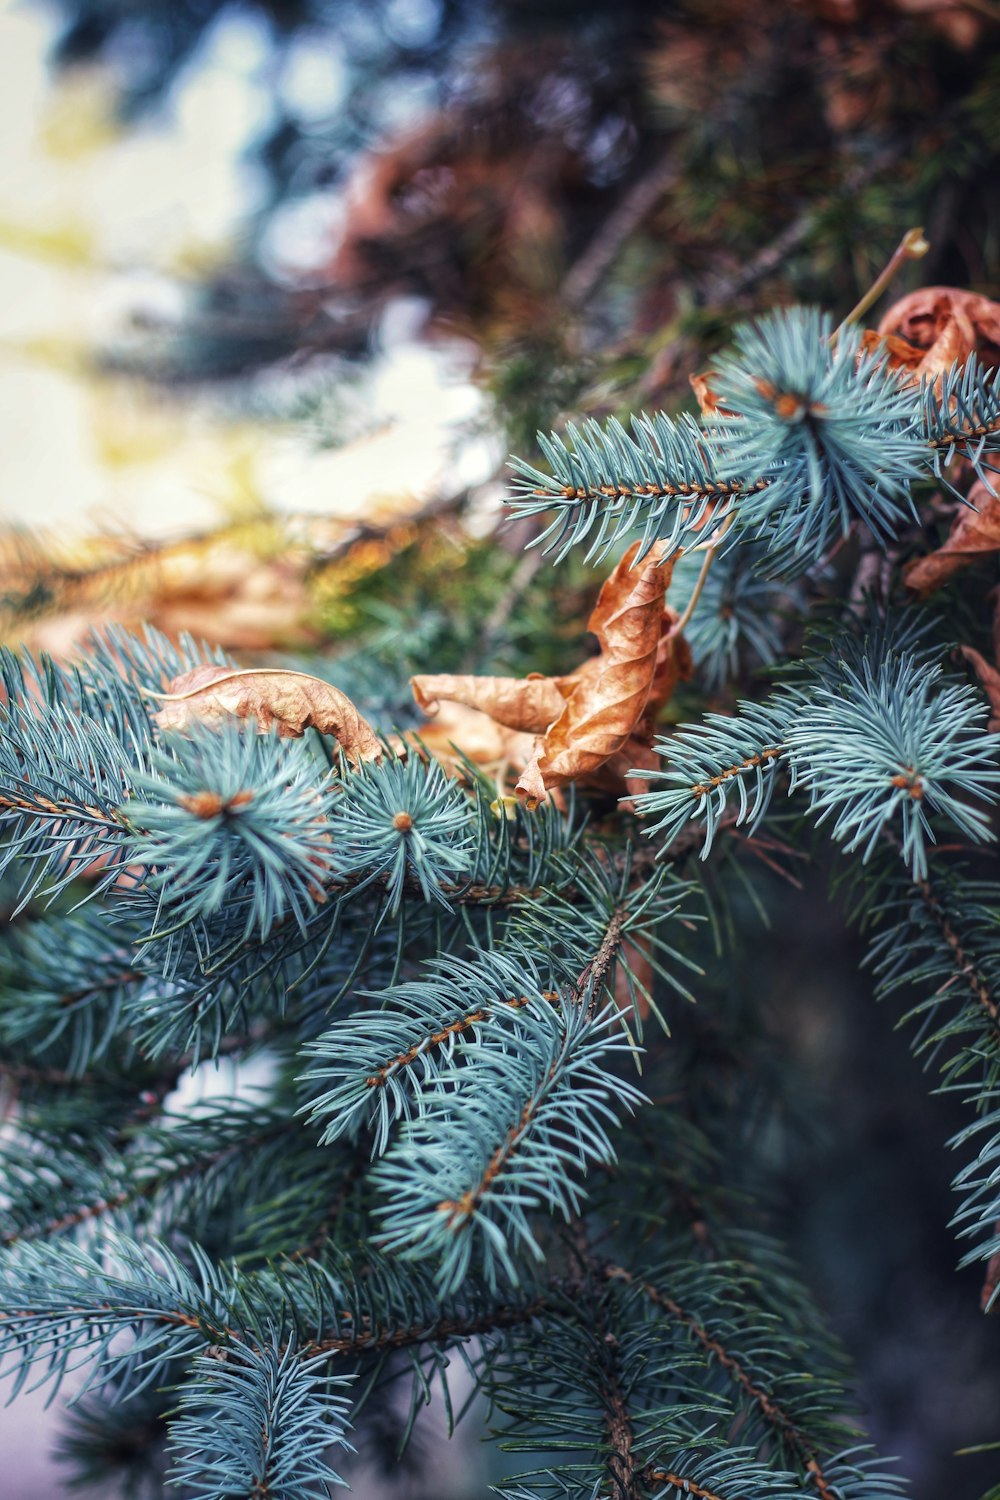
{"x":281,"y":285}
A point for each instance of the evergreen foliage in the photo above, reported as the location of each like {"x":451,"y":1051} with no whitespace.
{"x":492,"y":1132}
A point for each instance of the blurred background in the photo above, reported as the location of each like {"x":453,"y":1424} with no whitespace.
{"x":281,"y":286}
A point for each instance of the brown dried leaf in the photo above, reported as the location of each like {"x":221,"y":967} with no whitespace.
{"x":627,"y":769}
{"x":902,"y":355}
{"x":614,"y":696}
{"x":704,"y":390}
{"x":524,"y":703}
{"x":293,"y":701}
{"x":973,"y":534}
{"x":990,"y":679}
{"x":947,"y":323}
{"x":605,"y":706}
{"x":458,"y":732}
{"x":634,"y":977}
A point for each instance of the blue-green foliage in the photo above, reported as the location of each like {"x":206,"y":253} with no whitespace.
{"x":526,"y":1111}
{"x":882,"y":746}
{"x":236,"y":821}
{"x":65,"y":1307}
{"x":378,"y":1064}
{"x":877,"y":736}
{"x":809,"y":434}
{"x":724,"y":760}
{"x":402,"y":820}
{"x":816,"y":433}
{"x":607,"y":484}
{"x":736,"y":627}
{"x":74,"y":975}
{"x":692,"y":1357}
{"x":961,"y":419}
{"x":258,"y":1421}
{"x":72,"y":741}
{"x":590,"y":945}
{"x":430,"y":1145}
{"x":938,"y":943}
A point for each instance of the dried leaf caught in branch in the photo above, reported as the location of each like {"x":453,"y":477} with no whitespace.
{"x":941,"y":324}
{"x":458,"y":734}
{"x":607,"y":704}
{"x":595,"y":724}
{"x":974,"y":533}
{"x":293,"y":701}
{"x":703,"y":386}
{"x":525,"y":703}
{"x":990,"y":679}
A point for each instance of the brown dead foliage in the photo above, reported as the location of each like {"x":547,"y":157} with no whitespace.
{"x":292,"y":701}
{"x":596,"y":724}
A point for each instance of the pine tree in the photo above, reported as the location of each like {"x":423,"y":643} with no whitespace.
{"x":493,"y":1133}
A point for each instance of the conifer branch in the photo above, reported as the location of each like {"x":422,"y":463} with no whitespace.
{"x":145,"y":1188}
{"x":680,"y":1482}
{"x":592,"y":977}
{"x":773,"y":1413}
{"x":965,"y":964}
{"x":444,"y":1331}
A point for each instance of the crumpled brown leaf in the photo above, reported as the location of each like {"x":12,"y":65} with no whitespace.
{"x":987,"y":673}
{"x":458,"y":733}
{"x":596,"y":724}
{"x":703,"y":386}
{"x":524,"y":703}
{"x":990,"y":679}
{"x":973,"y":534}
{"x":934,"y":326}
{"x":293,"y":701}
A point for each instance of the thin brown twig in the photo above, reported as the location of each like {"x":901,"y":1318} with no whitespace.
{"x":763,"y":1400}
{"x":634,"y":208}
{"x":723,"y":290}
{"x":680,"y":1482}
{"x":964,"y":964}
{"x":622,"y":1463}
{"x":912,"y":246}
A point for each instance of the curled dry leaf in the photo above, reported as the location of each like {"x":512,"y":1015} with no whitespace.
{"x":293,"y":701}
{"x":986,"y":671}
{"x":973,"y":534}
{"x":458,"y":733}
{"x":934,"y":326}
{"x":606,"y":705}
{"x":594,"y":725}
{"x":703,"y":386}
{"x":990,"y":679}
{"x":524,"y":703}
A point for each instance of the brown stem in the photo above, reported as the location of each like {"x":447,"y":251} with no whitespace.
{"x":679,"y":1482}
{"x":78,"y":812}
{"x":622,"y":1466}
{"x":374,"y":1340}
{"x":593,"y":974}
{"x":475,"y":1017}
{"x":702,"y":788}
{"x":769,"y":1408}
{"x":75,"y":1217}
{"x":911,"y":247}
{"x":963,"y":963}
{"x":600,"y":255}
{"x":706,"y":568}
